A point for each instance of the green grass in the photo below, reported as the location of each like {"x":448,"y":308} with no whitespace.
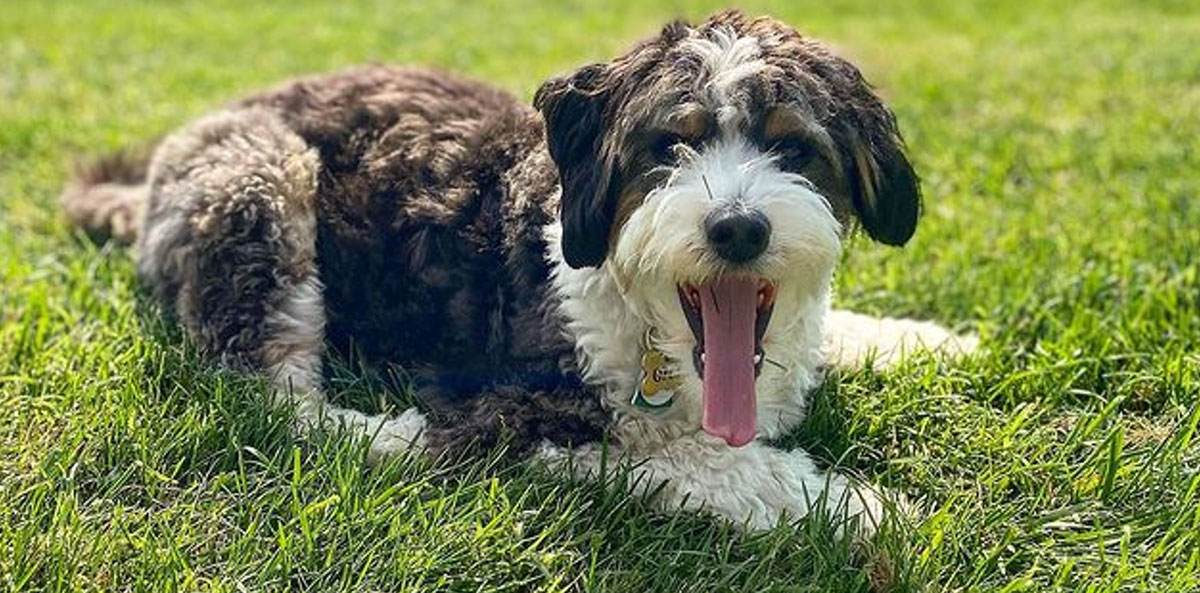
{"x":1060,"y":148}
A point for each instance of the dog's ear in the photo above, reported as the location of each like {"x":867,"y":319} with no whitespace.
{"x":884,"y":188}
{"x":574,"y":109}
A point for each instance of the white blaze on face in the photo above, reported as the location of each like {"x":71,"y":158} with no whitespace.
{"x":728,"y":59}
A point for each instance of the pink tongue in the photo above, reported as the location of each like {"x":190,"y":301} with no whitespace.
{"x":729,"y":307}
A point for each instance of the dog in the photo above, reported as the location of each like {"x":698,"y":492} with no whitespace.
{"x":638,"y":267}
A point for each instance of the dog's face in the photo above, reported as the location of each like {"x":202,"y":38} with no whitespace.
{"x":714,"y":170}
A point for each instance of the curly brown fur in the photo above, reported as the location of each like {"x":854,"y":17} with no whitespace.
{"x":229,"y":228}
{"x":520,"y":420}
{"x":430,"y":252}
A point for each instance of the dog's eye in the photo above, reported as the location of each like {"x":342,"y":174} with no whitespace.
{"x":795,"y":152}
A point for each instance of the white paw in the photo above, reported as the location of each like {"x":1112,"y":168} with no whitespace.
{"x":852,"y":339}
{"x":389,"y":436}
{"x":397,"y":436}
{"x":863,"y":512}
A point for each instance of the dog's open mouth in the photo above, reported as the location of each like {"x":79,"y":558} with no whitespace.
{"x":728,"y":317}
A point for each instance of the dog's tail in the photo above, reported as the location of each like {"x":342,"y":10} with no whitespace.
{"x":107,"y":195}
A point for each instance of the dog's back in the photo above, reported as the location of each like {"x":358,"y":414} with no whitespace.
{"x":396,"y":214}
{"x":419,"y":220}
{"x":415,"y":221}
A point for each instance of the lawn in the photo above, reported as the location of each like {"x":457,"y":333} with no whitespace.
{"x":1059,"y":144}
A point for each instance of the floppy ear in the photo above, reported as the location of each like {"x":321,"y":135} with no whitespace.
{"x":573,"y":108}
{"x":885,"y":191}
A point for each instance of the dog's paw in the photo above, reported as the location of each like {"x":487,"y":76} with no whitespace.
{"x":397,"y":436}
{"x":859,"y":513}
{"x":853,"y":339}
{"x":388,"y":437}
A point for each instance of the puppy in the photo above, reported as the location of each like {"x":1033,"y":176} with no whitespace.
{"x":638,"y":267}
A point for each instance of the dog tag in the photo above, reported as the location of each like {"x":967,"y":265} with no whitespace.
{"x":656,"y":381}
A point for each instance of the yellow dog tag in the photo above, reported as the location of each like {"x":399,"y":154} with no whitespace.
{"x":657,"y":381}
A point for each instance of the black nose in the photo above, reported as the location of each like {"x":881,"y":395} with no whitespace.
{"x":737,"y":237}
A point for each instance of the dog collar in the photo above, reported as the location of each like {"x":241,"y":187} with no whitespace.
{"x":657,"y":379}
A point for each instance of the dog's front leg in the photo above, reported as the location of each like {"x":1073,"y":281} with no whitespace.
{"x":756,"y":486}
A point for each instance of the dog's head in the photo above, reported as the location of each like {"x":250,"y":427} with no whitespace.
{"x":715,"y":170}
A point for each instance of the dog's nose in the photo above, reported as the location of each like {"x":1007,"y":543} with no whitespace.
{"x":738,"y":237}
